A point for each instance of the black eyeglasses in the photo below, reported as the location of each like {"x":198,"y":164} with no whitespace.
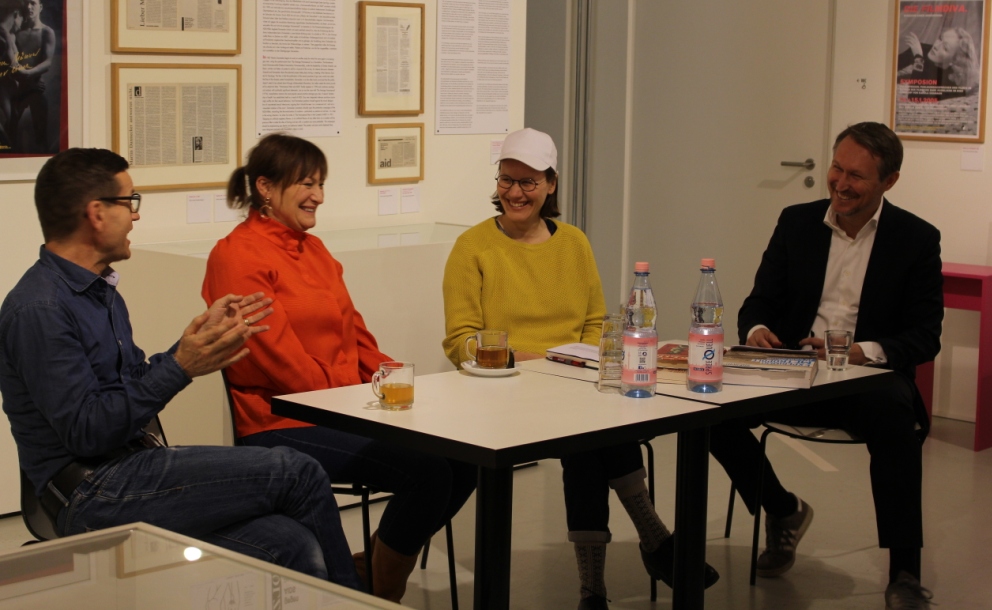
{"x":132,"y":201}
{"x":526,"y":185}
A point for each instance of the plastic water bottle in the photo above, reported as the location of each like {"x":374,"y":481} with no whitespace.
{"x":706,"y":334}
{"x":639,"y":375}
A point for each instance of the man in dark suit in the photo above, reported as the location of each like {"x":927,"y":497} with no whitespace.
{"x":854,"y":262}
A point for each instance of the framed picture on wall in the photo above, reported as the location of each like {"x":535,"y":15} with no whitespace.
{"x":939,"y":74}
{"x":396,"y":153}
{"x":178,"y":125}
{"x":42,"y":90}
{"x":390,"y":59}
{"x":195,"y":27}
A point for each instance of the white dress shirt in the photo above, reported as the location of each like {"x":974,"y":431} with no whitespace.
{"x":840,"y":301}
{"x":846,"y":267}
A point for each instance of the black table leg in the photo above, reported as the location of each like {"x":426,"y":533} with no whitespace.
{"x":493,"y":521}
{"x":690,"y":518}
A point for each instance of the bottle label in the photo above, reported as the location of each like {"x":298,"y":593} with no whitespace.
{"x":640,"y":360}
{"x":705,"y":357}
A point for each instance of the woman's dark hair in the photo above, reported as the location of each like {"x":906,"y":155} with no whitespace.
{"x":70,"y":180}
{"x":281,"y":158}
{"x":550,"y":207}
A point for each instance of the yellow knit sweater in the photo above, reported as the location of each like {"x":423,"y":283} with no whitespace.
{"x":542,"y":294}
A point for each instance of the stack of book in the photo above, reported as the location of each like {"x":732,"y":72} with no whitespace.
{"x":742,"y":365}
{"x":776,"y":368}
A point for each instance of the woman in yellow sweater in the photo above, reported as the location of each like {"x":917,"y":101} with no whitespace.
{"x":536,"y":278}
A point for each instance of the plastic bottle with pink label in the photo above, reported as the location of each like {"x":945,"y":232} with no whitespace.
{"x":639,"y":373}
{"x":706,"y":334}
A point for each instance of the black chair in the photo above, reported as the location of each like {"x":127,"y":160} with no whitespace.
{"x":39,"y":524}
{"x":833,"y":436}
{"x":646,"y":443}
{"x":364,"y":493}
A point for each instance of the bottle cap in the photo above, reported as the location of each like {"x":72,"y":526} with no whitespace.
{"x":708,"y":262}
{"x":641,"y":268}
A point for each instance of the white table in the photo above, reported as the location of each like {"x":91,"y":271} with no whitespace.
{"x":537,"y":414}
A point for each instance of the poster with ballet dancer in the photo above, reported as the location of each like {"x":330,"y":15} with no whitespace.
{"x":939,"y":70}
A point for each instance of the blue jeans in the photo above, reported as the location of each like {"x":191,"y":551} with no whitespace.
{"x":588,"y":477}
{"x":427,"y":490}
{"x":271,"y":504}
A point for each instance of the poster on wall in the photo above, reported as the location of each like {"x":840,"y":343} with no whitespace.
{"x":298,"y":65}
{"x":472,"y":83}
{"x":34,"y":105}
{"x":939,"y":70}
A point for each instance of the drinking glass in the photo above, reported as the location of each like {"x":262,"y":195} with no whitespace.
{"x":492,"y":349}
{"x":611,"y":352}
{"x":393,"y":384}
{"x":838,"y":348}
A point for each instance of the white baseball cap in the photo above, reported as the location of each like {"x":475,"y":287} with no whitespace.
{"x":530,"y":146}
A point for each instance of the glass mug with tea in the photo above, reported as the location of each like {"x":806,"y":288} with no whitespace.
{"x":492,"y":349}
{"x":838,"y":348}
{"x":393,"y":384}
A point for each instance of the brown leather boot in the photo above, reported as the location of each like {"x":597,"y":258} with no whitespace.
{"x":359,"y":559}
{"x":390,"y":571}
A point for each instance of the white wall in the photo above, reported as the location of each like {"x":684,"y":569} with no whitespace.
{"x":932,"y":184}
{"x":456,"y":189}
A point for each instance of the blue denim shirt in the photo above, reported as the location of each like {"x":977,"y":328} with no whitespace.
{"x":73,"y":382}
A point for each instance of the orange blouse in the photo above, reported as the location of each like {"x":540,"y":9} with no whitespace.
{"x":317,"y":340}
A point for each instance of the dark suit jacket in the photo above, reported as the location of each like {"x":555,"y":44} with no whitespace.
{"x":902,"y":302}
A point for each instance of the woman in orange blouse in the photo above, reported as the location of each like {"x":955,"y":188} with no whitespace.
{"x":318,"y":340}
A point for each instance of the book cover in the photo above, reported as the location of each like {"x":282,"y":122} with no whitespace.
{"x":770,"y":367}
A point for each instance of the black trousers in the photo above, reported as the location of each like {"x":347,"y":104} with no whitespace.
{"x":587,"y":477}
{"x":884,"y":419}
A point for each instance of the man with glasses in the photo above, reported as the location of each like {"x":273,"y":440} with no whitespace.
{"x":79,"y":394}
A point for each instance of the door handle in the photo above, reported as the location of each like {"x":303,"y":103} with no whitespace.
{"x":808,"y":164}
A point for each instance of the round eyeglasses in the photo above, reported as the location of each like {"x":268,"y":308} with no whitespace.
{"x":527,"y":185}
{"x":132,"y":201}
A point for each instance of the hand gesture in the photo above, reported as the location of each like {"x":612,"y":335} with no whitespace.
{"x":215,"y":338}
{"x":763,"y":338}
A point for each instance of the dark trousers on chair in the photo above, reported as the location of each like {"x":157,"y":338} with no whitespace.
{"x":884,"y":419}
{"x":427,"y":490}
{"x":587,"y":476}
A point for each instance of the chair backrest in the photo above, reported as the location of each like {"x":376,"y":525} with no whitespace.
{"x":35,"y":518}
{"x":230,"y":405}
{"x":155,"y":427}
{"x":816,"y":434}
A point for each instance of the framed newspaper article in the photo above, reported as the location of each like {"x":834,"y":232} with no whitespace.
{"x":939,"y":77}
{"x":396,"y":153}
{"x":195,"y":27}
{"x":178,"y":125}
{"x":390,"y":59}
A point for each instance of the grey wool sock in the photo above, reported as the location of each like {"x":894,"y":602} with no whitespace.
{"x":591,"y":559}
{"x":650,"y":529}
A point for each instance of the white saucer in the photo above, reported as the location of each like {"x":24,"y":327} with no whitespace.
{"x":469,"y":367}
